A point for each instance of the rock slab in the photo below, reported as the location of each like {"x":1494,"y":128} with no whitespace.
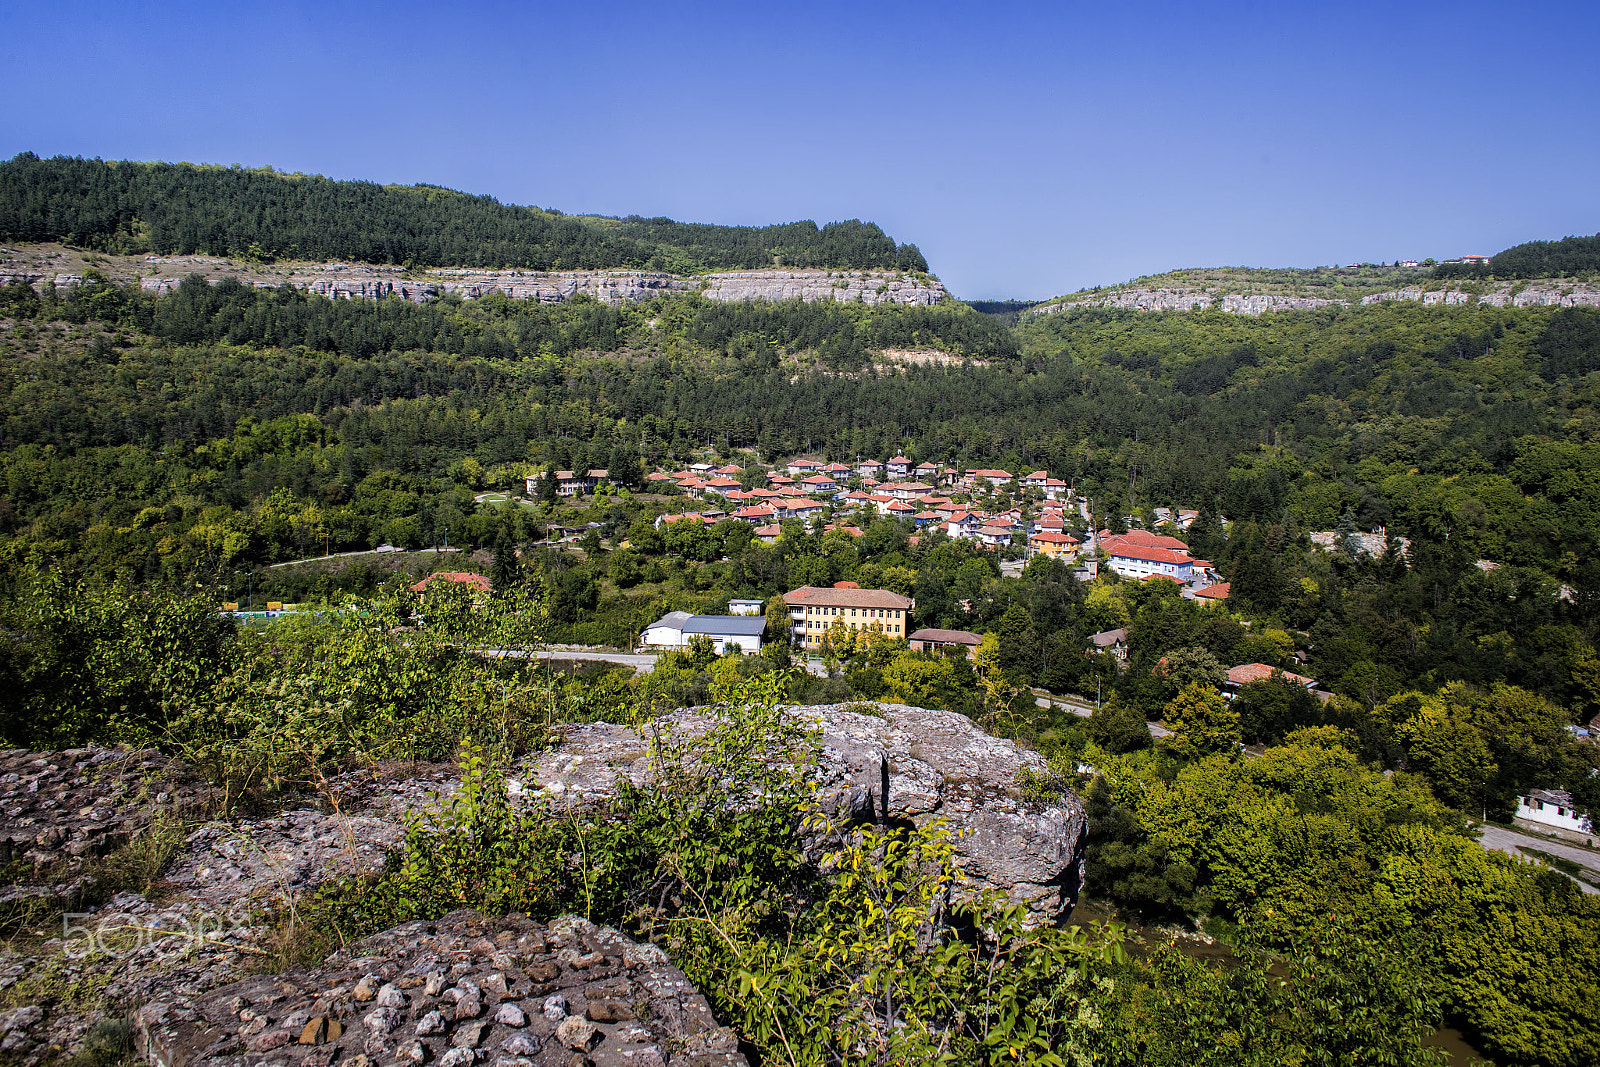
{"x":905,"y":765}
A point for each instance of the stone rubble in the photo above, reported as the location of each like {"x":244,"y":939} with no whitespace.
{"x":465,"y":989}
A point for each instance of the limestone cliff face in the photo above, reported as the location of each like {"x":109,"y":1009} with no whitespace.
{"x":1536,"y":294}
{"x":1550,"y":293}
{"x":340,"y":280}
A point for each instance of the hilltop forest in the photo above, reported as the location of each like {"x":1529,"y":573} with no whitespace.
{"x":162,"y":454}
{"x":178,"y":209}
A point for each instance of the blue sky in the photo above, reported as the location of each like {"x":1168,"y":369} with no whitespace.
{"x":1028,"y":149}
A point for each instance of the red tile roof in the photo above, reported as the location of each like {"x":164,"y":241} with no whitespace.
{"x":1260,"y":672}
{"x":847,"y":598}
{"x":1214,"y":592}
{"x":1142,"y":539}
{"x":1149,"y":555}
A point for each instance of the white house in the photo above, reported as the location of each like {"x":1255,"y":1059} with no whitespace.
{"x":745,"y":607}
{"x":1553,"y":811}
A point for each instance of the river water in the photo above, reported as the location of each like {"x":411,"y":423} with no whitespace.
{"x":1141,"y":938}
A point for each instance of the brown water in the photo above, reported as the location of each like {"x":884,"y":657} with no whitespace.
{"x":1142,"y":938}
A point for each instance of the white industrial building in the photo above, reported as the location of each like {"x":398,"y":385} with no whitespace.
{"x":728,"y":633}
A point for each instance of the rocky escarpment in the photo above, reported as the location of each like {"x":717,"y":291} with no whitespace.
{"x":903,"y":764}
{"x":162,"y":274}
{"x":611,"y":287}
{"x":461,"y":990}
{"x":1543,"y":294}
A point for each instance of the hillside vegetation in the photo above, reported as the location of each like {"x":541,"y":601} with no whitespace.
{"x":158,"y":454}
{"x":231,"y":211}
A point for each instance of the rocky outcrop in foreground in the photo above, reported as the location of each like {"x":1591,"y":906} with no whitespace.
{"x":465,"y":989}
{"x":208,"y":919}
{"x":906,"y":764}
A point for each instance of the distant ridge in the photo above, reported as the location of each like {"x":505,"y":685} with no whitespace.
{"x":1533,"y":259}
{"x":184,"y":209}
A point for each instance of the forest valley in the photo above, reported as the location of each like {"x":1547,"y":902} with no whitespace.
{"x":163,"y":455}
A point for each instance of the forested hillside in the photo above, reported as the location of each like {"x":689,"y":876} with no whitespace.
{"x":159,"y":453}
{"x":179,"y":209}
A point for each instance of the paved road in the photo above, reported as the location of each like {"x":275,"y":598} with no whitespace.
{"x":1510,"y":842}
{"x":1084,"y":710}
{"x":643,"y":662}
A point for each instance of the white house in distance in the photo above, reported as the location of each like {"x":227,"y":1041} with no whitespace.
{"x":728,"y":633}
{"x":1552,"y":811}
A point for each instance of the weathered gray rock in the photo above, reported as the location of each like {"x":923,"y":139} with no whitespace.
{"x":60,"y":810}
{"x":911,"y":765}
{"x":312,"y":1018}
{"x":362,"y":282}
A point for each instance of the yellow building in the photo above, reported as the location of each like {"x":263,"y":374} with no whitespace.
{"x":814,"y":610}
{"x":1053,"y":543}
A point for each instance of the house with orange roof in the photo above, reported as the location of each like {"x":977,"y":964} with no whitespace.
{"x":800,"y":508}
{"x":990,"y":477}
{"x":1054,"y":544}
{"x":768,"y":534}
{"x":820,"y":483}
{"x":477,"y":582}
{"x":799,"y":468}
{"x":1212,"y":594}
{"x":1245,"y":673}
{"x":963,"y":524}
{"x":692,"y":516}
{"x":869,"y":468}
{"x":898,"y":467}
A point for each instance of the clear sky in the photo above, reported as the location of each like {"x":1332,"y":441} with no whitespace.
{"x":1028,"y":149}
